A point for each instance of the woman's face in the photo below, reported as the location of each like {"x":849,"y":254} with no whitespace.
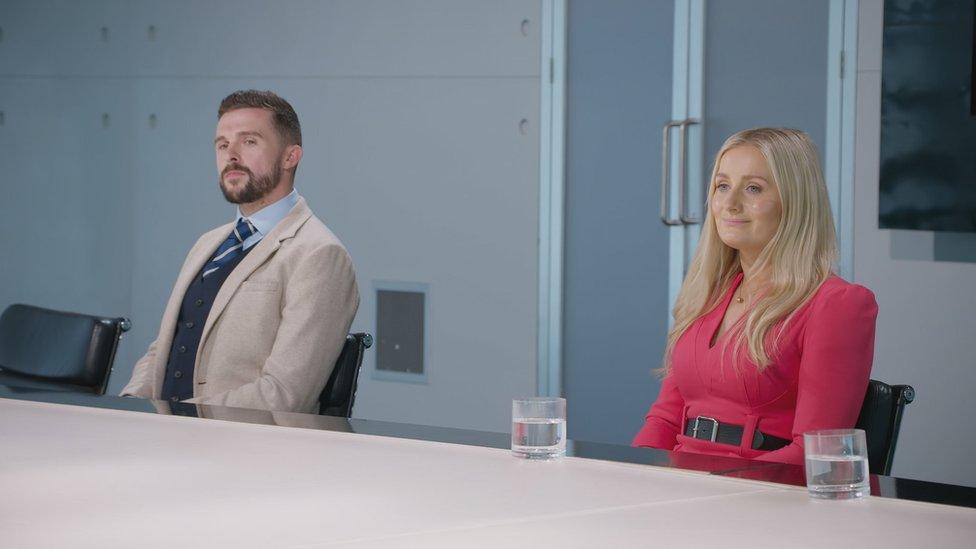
{"x":745,"y":201}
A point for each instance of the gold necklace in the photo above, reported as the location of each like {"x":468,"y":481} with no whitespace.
{"x":740,"y":290}
{"x":741,"y":294}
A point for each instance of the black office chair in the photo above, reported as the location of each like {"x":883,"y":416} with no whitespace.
{"x":56,"y":349}
{"x":881,"y":419}
{"x":340,"y":392}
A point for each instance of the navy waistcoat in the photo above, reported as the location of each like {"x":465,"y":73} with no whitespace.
{"x":197,"y":302}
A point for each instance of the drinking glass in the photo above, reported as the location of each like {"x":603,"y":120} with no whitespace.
{"x":539,"y":427}
{"x":837,"y":463}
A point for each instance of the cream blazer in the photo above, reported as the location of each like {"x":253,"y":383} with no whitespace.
{"x":277,"y":324}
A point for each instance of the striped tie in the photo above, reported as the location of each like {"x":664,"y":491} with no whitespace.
{"x":231,"y":248}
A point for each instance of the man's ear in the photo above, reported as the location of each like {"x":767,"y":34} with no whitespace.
{"x":293,"y":155}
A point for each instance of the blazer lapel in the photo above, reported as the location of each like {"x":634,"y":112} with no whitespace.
{"x":255,"y":258}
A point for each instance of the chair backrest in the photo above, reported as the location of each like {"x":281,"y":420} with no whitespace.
{"x":57,"y":346}
{"x":881,"y":419}
{"x":340,"y":391}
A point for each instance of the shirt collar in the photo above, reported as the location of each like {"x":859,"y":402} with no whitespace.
{"x":267,"y":217}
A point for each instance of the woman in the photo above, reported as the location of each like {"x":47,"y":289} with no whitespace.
{"x":767,"y":342}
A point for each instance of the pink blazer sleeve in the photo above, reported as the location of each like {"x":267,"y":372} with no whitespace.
{"x":663,"y":421}
{"x":838,"y":349}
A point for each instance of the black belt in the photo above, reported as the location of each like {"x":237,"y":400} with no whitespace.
{"x":707,"y":428}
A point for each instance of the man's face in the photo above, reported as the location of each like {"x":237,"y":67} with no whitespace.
{"x":249,"y":155}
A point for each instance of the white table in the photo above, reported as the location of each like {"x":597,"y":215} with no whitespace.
{"x":81,"y":477}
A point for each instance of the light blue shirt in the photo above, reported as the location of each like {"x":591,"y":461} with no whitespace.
{"x":267,"y":217}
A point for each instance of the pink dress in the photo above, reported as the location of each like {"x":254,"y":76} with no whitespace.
{"x":816,"y":380}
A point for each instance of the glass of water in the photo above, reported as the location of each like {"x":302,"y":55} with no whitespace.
{"x":539,"y":427}
{"x":837,"y":463}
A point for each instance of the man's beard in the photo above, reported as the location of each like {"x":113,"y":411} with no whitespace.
{"x":255,"y":188}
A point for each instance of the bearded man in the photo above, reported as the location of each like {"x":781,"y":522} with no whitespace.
{"x":262,"y":305}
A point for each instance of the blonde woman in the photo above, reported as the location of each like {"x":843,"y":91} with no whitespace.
{"x":767,"y":342}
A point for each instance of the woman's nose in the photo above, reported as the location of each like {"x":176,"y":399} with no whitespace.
{"x":731,"y":201}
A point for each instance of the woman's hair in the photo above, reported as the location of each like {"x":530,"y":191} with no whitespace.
{"x":795,"y":262}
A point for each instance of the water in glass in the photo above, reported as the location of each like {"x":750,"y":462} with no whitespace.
{"x":837,"y":477}
{"x":538,"y":438}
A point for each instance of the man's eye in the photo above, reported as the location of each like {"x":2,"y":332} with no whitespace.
{"x":250,"y":141}
{"x":221,"y":146}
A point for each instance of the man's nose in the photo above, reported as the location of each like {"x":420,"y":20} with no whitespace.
{"x":233,"y":154}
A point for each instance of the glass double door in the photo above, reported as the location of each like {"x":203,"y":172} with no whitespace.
{"x":653,"y":89}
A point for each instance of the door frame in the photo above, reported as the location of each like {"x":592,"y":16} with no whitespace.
{"x":552,"y":154}
{"x":841,"y":118}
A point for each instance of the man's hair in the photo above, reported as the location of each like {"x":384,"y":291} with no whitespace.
{"x":285,"y":119}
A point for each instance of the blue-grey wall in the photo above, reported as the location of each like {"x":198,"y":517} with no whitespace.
{"x":65,"y":215}
{"x":414,"y":156}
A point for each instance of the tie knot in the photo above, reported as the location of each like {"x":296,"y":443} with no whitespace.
{"x":243,"y":230}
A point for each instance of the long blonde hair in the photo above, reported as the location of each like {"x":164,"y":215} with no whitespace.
{"x":795,"y":262}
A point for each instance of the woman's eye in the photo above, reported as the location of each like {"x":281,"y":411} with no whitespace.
{"x":754,"y":189}
{"x":721,"y":186}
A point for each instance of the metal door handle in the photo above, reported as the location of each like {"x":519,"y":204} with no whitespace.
{"x":666,"y":174}
{"x":682,"y":172}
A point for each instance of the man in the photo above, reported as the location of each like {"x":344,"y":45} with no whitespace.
{"x":262,"y":305}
